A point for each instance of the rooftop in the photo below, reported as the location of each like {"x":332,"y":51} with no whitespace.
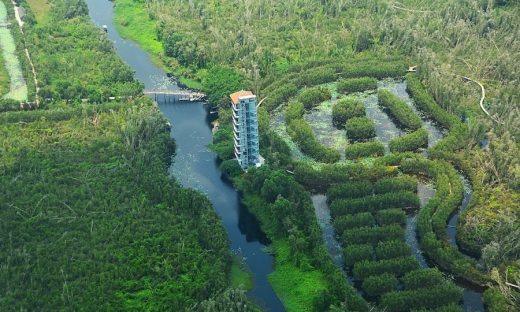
{"x":235,"y":97}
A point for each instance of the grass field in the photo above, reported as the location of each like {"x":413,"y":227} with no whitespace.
{"x":39,"y":8}
{"x":240,"y":276}
{"x":296,"y":288}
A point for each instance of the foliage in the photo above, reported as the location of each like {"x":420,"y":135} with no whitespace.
{"x":396,"y":266}
{"x":223,"y":143}
{"x":345,"y":109}
{"x":425,"y":278}
{"x":230,"y":300}
{"x":355,"y":253}
{"x":313,"y":96}
{"x":294,"y":110}
{"x":364,"y":149}
{"x":302,"y":134}
{"x":392,"y":249}
{"x":423,"y":298}
{"x":399,"y":110}
{"x":360,"y":129}
{"x":410,"y":142}
{"x":373,"y":203}
{"x":220,"y":82}
{"x":391,"y":216}
{"x":377,"y":285}
{"x":350,"y":190}
{"x":395,"y":184}
{"x":346,"y":222}
{"x":372,"y":235}
{"x":348,"y":86}
{"x":230,"y":168}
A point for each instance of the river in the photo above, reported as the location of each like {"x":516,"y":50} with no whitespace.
{"x":194,"y":165}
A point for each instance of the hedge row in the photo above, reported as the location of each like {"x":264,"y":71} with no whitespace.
{"x":329,"y":174}
{"x":356,"y":253}
{"x":425,"y":278}
{"x":396,"y":266}
{"x":374,"y":203}
{"x":392,"y":249}
{"x":399,"y":110}
{"x":430,"y":298}
{"x":391,"y":216}
{"x":372,"y":235}
{"x":313,"y":97}
{"x":350,"y":190}
{"x":279,"y":96}
{"x":365,"y":149}
{"x":360,"y":129}
{"x":346,"y":109}
{"x":433,"y":218}
{"x":294,"y":110}
{"x":410,"y":142}
{"x":377,"y":285}
{"x":395,"y":184}
{"x":301,"y":133}
{"x":348,"y":86}
{"x":346,"y":222}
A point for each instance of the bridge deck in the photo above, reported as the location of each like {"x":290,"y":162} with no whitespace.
{"x":176,"y":95}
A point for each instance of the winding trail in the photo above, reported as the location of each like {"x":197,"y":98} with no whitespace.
{"x":483,"y":96}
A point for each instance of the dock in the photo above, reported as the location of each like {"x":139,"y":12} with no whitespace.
{"x":176,"y":95}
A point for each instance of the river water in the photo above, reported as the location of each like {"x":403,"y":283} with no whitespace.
{"x":194,"y":165}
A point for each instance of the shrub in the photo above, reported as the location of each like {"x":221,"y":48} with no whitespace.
{"x":346,"y":109}
{"x":9,"y":105}
{"x":294,"y":110}
{"x":363,"y":219}
{"x":398,"y":109}
{"x":374,"y":203}
{"x":410,"y":142}
{"x":397,"y":267}
{"x":495,"y":301}
{"x":396,"y":184}
{"x":391,"y":216}
{"x":365,"y":149}
{"x":350,"y":190}
{"x":314,"y":96}
{"x":357,"y":253}
{"x":279,"y":96}
{"x":372,"y":235}
{"x":376,"y":69}
{"x":360,"y":129}
{"x":379,"y":284}
{"x":423,"y":298}
{"x":452,"y":307}
{"x":302,"y":134}
{"x":425,"y":278}
{"x":392,"y":249}
{"x":316,"y":76}
{"x":357,"y":85}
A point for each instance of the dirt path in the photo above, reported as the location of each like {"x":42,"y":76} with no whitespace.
{"x":482,"y":98}
{"x":27,"y":54}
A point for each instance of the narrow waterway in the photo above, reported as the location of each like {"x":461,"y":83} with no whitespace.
{"x":195,"y":165}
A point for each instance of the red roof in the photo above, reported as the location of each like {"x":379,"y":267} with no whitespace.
{"x":235,"y":97}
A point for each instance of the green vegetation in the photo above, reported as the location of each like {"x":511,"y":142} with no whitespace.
{"x":360,"y":129}
{"x":345,"y":109}
{"x":313,"y":97}
{"x":410,"y":142}
{"x":366,"y":149}
{"x":240,"y":276}
{"x":89,"y":216}
{"x":302,"y":134}
{"x":348,"y":86}
{"x":40,"y":8}
{"x":398,"y":109}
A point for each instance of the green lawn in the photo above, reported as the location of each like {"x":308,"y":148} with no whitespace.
{"x":40,"y":8}
{"x":240,"y":275}
{"x":296,"y":288}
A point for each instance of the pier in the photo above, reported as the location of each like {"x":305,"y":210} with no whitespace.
{"x":176,"y":95}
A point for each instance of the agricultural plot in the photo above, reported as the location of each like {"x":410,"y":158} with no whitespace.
{"x":18,"y":87}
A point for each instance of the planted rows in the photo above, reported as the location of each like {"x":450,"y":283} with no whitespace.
{"x":369,"y":219}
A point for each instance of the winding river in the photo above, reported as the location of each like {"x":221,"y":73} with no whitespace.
{"x":194,"y":165}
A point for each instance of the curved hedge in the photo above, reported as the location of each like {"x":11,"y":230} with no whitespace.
{"x":294,"y":110}
{"x":364,"y":149}
{"x":398,"y":109}
{"x":301,"y":133}
{"x":396,"y":184}
{"x":410,"y":142}
{"x":356,"y":85}
{"x":313,"y":97}
{"x":345,"y":109}
{"x":360,"y":129}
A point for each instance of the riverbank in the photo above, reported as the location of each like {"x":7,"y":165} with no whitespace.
{"x":133,"y":22}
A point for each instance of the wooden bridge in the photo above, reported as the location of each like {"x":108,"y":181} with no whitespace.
{"x":176,"y":95}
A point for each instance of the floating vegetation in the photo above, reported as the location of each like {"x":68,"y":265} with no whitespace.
{"x":18,"y":88}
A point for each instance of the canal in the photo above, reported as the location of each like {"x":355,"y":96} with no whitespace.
{"x":194,"y":165}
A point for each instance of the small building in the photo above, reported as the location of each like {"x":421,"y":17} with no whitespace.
{"x":245,"y":128}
